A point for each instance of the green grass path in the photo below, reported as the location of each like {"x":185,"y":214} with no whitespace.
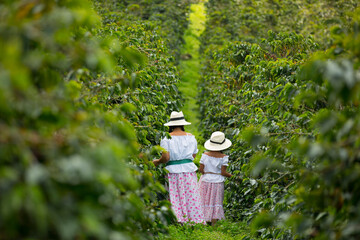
{"x":190,"y":75}
{"x":190,"y":70}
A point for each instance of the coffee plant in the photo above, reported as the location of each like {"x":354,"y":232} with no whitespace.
{"x":250,"y":20}
{"x":269,"y":86}
{"x":85,"y":90}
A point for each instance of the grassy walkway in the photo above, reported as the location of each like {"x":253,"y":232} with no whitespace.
{"x":224,"y":230}
{"x":190,"y":75}
{"x":190,"y":70}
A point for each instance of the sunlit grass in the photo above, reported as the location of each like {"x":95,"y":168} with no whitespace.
{"x":223,"y":230}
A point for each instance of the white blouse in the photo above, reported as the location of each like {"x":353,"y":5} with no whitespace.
{"x":213,"y":164}
{"x":181,"y":147}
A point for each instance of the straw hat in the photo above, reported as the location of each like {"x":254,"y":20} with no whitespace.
{"x":177,"y":119}
{"x":217,"y":142}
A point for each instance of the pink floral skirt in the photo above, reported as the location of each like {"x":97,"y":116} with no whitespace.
{"x":212,"y":197}
{"x":185,"y":197}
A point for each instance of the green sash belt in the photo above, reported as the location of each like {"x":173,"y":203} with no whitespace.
{"x":176,"y":162}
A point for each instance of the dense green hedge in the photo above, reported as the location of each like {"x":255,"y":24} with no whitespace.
{"x":169,"y":17}
{"x":291,"y":119}
{"x":147,"y":27}
{"x":154,"y":92}
{"x":250,"y":20}
{"x":81,"y":94}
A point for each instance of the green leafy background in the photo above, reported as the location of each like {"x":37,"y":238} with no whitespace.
{"x":281,"y":80}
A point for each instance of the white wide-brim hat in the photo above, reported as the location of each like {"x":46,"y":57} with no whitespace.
{"x":177,"y":119}
{"x":217,"y":142}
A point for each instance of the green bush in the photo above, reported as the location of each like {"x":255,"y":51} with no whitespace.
{"x":287,"y":109}
{"x":80,"y":94}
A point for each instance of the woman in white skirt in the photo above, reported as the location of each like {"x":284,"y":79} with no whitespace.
{"x":180,"y":152}
{"x":213,"y":166}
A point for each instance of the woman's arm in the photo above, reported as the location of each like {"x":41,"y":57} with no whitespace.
{"x":224,"y":172}
{"x":165,"y":156}
{"x":201,"y":168}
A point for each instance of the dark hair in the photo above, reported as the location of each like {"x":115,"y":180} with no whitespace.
{"x":171,"y":128}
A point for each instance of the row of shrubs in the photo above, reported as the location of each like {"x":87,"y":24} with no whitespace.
{"x":85,"y":87}
{"x":281,"y":79}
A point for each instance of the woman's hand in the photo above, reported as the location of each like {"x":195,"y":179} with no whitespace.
{"x":201,"y":168}
{"x":165,"y":156}
{"x":156,"y":162}
{"x":224,"y":172}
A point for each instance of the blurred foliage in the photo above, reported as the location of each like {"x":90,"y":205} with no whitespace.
{"x":328,"y":193}
{"x":80,"y":94}
{"x":286,"y":92}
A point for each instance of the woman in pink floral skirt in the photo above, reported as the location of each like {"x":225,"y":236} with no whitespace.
{"x":213,"y":166}
{"x":180,"y":152}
